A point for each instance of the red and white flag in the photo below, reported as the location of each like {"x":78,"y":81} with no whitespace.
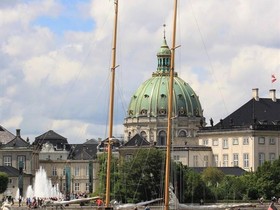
{"x":273,"y":78}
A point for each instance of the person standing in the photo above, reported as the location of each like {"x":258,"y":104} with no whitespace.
{"x":272,"y":204}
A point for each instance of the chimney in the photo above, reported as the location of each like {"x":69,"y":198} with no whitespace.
{"x":255,"y":92}
{"x":272,"y":93}
{"x":18,"y":132}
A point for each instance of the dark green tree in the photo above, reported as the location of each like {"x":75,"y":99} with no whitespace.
{"x":114,"y":181}
{"x":142,"y":176}
{"x":4,"y":179}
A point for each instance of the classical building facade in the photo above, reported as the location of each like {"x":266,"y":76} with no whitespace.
{"x":20,"y":160}
{"x":73,"y":167}
{"x":247,"y":137}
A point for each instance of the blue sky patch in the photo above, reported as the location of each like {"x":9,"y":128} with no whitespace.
{"x":70,"y":19}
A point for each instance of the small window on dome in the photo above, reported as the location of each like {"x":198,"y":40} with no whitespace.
{"x":180,"y":96}
{"x":144,"y":111}
{"x":182,"y":112}
{"x":162,"y":111}
{"x":134,"y":96}
{"x":163,"y":95}
{"x":130,"y":112}
{"x":146,"y":96}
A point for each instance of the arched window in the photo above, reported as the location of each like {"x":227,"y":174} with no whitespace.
{"x":143,"y":134}
{"x":161,"y":138}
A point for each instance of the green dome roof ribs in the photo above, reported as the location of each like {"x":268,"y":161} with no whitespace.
{"x":151,"y":98}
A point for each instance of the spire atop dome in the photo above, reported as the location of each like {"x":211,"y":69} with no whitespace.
{"x":164,"y":56}
{"x":164,"y":30}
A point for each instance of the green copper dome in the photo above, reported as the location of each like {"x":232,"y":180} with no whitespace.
{"x":151,"y":98}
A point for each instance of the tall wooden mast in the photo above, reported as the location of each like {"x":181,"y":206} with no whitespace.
{"x":170,"y":110}
{"x":111,"y":108}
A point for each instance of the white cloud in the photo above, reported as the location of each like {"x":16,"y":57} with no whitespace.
{"x":61,"y":81}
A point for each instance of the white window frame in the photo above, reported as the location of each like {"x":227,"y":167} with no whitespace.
{"x":246,"y":141}
{"x":23,"y":159}
{"x":225,"y":160}
{"x":205,"y":161}
{"x":235,"y":141}
{"x":77,"y":186}
{"x":195,"y":161}
{"x":271,"y":141}
{"x":246,"y":160}
{"x":235,"y":159}
{"x":261,"y":158}
{"x":7,"y":160}
{"x":205,"y":142}
{"x":272,"y":156}
{"x":261,"y":140}
{"x":77,"y":171}
{"x":215,"y":142}
{"x":225,"y":143}
{"x":216,"y":160}
{"x":54,"y":171}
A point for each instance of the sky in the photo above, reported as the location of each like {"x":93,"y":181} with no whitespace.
{"x":55,"y":59}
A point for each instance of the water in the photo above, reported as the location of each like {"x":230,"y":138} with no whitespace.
{"x":43,"y":187}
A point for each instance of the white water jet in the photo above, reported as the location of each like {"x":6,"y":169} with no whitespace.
{"x":43,"y":187}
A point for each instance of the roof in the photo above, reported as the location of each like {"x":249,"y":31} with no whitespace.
{"x":151,"y":98}
{"x":254,"y":111}
{"x":83,"y":152}
{"x":91,"y":141}
{"x":260,"y":112}
{"x":236,"y":171}
{"x":5,"y":135}
{"x":52,"y":137}
{"x":17,"y":141}
{"x":136,"y":140}
{"x":10,"y":171}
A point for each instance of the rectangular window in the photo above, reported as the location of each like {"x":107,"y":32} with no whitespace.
{"x":261,"y":158}
{"x":21,"y":159}
{"x":245,"y":141}
{"x":195,"y":160}
{"x":64,"y":187}
{"x":235,"y":159}
{"x":128,"y":157}
{"x":215,"y":142}
{"x":225,"y":160}
{"x":216,"y":160}
{"x":54,"y":171}
{"x":87,"y":170}
{"x":235,"y":141}
{"x":77,"y":187}
{"x":225,"y":144}
{"x":205,"y":161}
{"x":246,"y":160}
{"x":272,"y":141}
{"x":271,"y":157}
{"x":7,"y":160}
{"x":87,"y":187}
{"x":64,"y":172}
{"x":176,"y":157}
{"x":77,"y":171}
{"x":10,"y":181}
{"x":261,"y":140}
{"x":205,"y":142}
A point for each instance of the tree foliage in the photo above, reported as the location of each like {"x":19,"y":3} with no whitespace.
{"x":3,"y":182}
{"x":141,"y":177}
